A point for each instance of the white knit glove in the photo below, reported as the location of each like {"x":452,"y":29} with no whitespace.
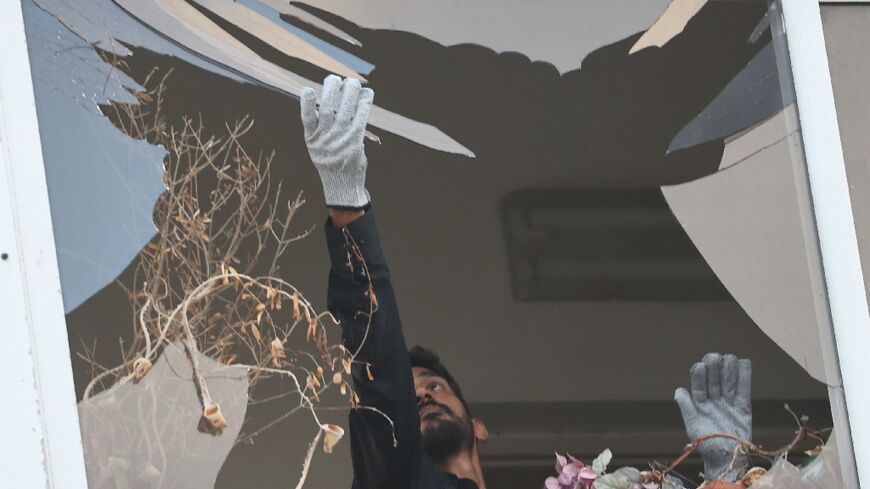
{"x":720,"y":402}
{"x":334,"y":133}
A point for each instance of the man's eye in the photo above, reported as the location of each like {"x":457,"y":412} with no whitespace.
{"x":434,"y":386}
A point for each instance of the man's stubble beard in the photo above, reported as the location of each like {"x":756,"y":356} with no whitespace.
{"x":448,"y":437}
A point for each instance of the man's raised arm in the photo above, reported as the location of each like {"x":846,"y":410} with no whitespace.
{"x":385,"y":430}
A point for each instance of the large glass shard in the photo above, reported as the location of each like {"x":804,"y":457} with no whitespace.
{"x":573,"y":29}
{"x":182,"y":23}
{"x":746,"y":221}
{"x":738,"y":148}
{"x":283,"y":7}
{"x":99,"y":179}
{"x":823,"y":471}
{"x":273,"y":34}
{"x":108,"y":27}
{"x":751,"y":97}
{"x":671,"y":23}
{"x":145,"y":435}
{"x":206,"y":45}
{"x":353,"y":63}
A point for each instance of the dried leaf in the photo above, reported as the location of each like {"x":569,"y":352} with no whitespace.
{"x":343,"y":389}
{"x":277,"y":352}
{"x":261,"y":307}
{"x":346,"y":363}
{"x":255,"y":331}
{"x":369,"y":371}
{"x":312,"y":330}
{"x":296,"y":312}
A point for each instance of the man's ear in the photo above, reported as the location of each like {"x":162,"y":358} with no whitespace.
{"x":481,"y":434}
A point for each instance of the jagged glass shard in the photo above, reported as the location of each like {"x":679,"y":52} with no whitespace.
{"x":747,"y":222}
{"x":671,"y":23}
{"x":144,"y":436}
{"x":754,"y":95}
{"x":99,"y":179}
{"x":267,"y":12}
{"x":573,"y":29}
{"x":824,"y":471}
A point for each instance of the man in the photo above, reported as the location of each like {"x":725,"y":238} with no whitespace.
{"x":416,"y":431}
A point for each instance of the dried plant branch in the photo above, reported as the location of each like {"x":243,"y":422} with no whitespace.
{"x":743,"y":446}
{"x":210,"y":280}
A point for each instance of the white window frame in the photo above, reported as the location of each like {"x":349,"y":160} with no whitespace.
{"x":41,"y":444}
{"x":835,"y":224}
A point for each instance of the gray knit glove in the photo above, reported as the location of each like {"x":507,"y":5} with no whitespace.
{"x":720,"y":402}
{"x":334,"y":133}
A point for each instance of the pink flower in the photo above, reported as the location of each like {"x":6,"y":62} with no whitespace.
{"x":561,"y":462}
{"x":571,"y":474}
{"x":552,"y":483}
{"x":586,"y":475}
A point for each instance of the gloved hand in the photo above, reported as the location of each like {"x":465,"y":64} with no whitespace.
{"x":720,"y":402}
{"x":334,"y":133}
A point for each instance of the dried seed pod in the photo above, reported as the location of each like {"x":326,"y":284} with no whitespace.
{"x":212,"y":420}
{"x":336,"y":378}
{"x":369,"y":371}
{"x":312,"y":380}
{"x":332,"y":435}
{"x":277,"y":352}
{"x":312,"y":329}
{"x":151,"y":474}
{"x":720,"y":484}
{"x":297,"y":314}
{"x":140,"y":367}
{"x":753,"y":475}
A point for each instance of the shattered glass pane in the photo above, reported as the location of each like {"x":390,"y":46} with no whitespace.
{"x":144,"y":435}
{"x":752,"y":220}
{"x":637,"y":174}
{"x":822,"y":471}
{"x":751,"y":97}
{"x":671,"y":23}
{"x":760,"y":256}
{"x":99,"y":179}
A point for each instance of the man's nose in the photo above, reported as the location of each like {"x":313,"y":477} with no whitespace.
{"x":423,"y":395}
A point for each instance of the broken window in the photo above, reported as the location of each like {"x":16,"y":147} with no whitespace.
{"x":577,"y":202}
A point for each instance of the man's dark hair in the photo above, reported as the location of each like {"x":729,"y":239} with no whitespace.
{"x":428,"y":359}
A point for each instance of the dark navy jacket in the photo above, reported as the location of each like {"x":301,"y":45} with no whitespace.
{"x":378,"y":462}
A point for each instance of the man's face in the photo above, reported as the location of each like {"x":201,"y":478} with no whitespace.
{"x":445,"y":425}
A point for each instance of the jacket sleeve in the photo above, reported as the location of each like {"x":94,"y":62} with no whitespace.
{"x":357,"y":262}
